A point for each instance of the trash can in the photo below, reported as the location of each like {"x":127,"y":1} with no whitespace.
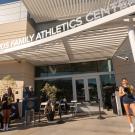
{"x":114,"y":105}
{"x":29,"y":111}
{"x":122,"y":106}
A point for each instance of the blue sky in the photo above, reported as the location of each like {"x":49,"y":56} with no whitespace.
{"x":6,"y":1}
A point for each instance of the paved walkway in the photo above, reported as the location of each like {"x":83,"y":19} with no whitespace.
{"x":84,"y":125}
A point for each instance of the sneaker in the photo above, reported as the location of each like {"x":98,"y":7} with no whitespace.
{"x":6,"y":127}
{"x":132,"y":130}
{"x":3,"y":129}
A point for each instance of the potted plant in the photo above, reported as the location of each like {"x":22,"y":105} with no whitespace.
{"x":50,"y":91}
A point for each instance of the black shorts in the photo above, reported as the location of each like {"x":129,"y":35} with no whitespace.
{"x":128,"y":99}
{"x":6,"y":106}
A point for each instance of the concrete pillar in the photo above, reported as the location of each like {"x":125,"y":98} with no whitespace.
{"x":131,"y":35}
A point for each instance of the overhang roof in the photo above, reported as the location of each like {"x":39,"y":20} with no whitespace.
{"x":89,"y":45}
{"x":48,"y":10}
{"x":95,"y":40}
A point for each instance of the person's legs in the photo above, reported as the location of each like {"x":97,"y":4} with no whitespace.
{"x":127,"y":108}
{"x":8,"y":117}
{"x":4,"y":119}
{"x":132,"y":107}
{"x":1,"y":121}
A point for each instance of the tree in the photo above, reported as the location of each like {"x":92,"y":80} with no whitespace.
{"x":7,"y":81}
{"x":50,"y":91}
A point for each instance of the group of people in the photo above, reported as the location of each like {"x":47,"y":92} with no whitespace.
{"x":126,"y":93}
{"x":28,"y":99}
{"x":5,"y":107}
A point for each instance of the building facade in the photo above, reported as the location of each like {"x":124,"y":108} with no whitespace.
{"x":83,"y":47}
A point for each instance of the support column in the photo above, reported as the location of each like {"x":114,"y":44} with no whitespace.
{"x":131,"y":35}
{"x":74,"y":89}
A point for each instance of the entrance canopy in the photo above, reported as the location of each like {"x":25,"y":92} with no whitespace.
{"x":94,"y":40}
{"x":48,"y":10}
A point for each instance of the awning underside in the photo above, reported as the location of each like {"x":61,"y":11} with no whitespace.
{"x":95,"y":40}
{"x":89,"y":45}
{"x":48,"y":10}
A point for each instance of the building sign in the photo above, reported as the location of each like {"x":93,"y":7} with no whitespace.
{"x":91,"y":16}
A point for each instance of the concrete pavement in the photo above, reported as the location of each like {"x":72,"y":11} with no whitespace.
{"x":81,"y":125}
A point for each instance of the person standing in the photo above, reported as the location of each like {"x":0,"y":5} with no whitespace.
{"x":126,"y":92}
{"x":7,"y":100}
{"x":1,"y":114}
{"x":31,"y":92}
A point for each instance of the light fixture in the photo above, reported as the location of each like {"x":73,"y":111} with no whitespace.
{"x":126,"y":19}
{"x":123,"y":58}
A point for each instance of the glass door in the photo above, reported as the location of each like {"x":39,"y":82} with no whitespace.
{"x":92,"y":91}
{"x":87,"y":88}
{"x":80,"y":90}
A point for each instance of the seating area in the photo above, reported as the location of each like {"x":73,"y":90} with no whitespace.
{"x":62,"y":113}
{"x":60,"y":109}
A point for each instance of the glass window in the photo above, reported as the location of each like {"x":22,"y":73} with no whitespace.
{"x":64,"y":85}
{"x":108,"y":79}
{"x":80,"y":90}
{"x":85,"y":67}
{"x":55,"y":70}
{"x":41,"y":71}
{"x":7,"y":1}
{"x":102,"y":66}
{"x":59,"y":70}
{"x":74,"y":68}
{"x":105,"y":66}
{"x":108,"y":86}
{"x":92,"y":88}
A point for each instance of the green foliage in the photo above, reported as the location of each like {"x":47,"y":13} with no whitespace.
{"x":7,"y":81}
{"x":50,"y":90}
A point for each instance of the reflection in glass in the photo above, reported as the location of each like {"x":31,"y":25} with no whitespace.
{"x":92,"y":87}
{"x":103,"y":66}
{"x":80,"y":90}
{"x":64,"y":85}
{"x":108,"y":85}
{"x":59,"y":70}
{"x":73,"y":68}
{"x":41,"y":71}
{"x":85,"y":67}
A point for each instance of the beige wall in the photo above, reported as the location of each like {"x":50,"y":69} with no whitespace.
{"x":12,"y":12}
{"x":13,"y":25}
{"x":124,"y":69}
{"x":23,"y":75}
{"x":13,"y":22}
{"x":19,"y":71}
{"x":10,"y":31}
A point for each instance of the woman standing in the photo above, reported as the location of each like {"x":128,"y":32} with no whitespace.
{"x":1,"y":114}
{"x":127,"y":91}
{"x":7,"y":100}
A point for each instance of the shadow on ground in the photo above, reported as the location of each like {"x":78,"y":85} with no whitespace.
{"x":19,"y":125}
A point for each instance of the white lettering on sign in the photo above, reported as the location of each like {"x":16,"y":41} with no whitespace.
{"x":91,"y":16}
